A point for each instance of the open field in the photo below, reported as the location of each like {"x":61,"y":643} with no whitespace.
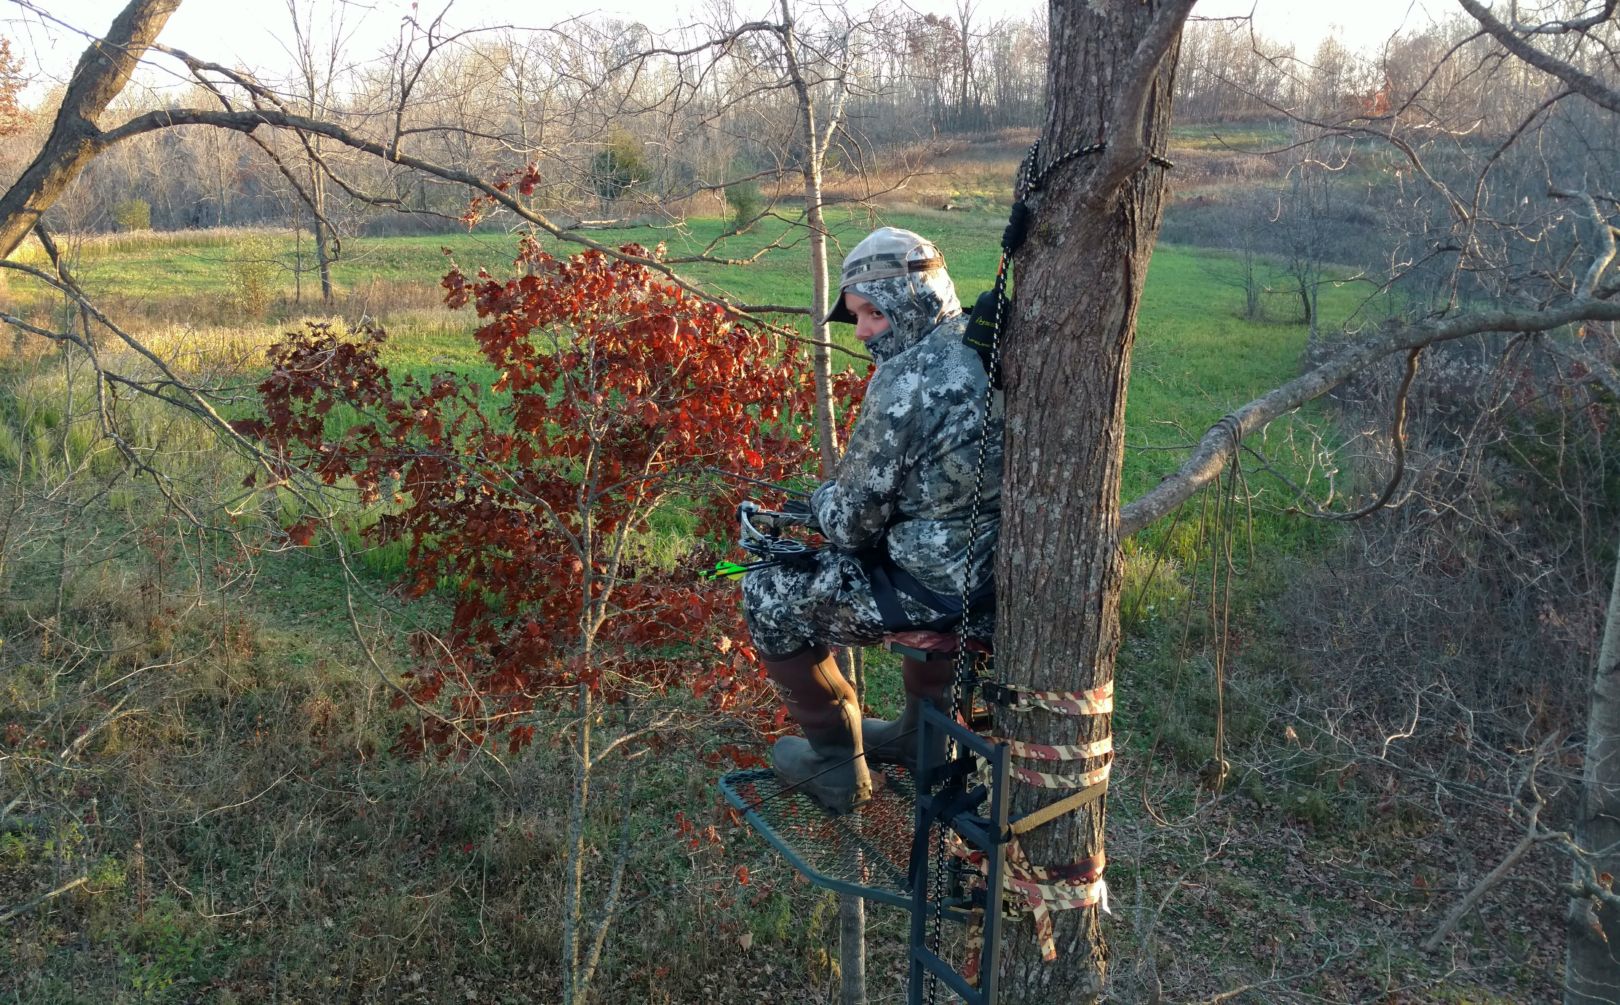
{"x":1196,"y":359}
{"x":246,"y":835}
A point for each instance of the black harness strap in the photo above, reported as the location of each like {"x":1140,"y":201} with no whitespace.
{"x":889,"y":581}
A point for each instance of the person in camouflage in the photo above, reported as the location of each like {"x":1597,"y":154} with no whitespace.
{"x":898,"y":516}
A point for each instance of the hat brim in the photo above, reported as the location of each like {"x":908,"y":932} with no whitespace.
{"x":839,"y":313}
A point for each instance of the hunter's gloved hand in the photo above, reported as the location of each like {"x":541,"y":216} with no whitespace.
{"x":798,"y":507}
{"x":982,"y":329}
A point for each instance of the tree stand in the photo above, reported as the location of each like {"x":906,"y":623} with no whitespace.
{"x":886,"y":849}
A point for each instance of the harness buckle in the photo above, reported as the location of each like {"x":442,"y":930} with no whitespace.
{"x":997,"y":693}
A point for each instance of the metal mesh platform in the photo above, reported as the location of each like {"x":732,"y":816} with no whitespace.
{"x":866,"y":853}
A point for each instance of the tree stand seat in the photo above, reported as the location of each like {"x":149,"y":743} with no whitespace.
{"x":932,"y":647}
{"x":939,"y":647}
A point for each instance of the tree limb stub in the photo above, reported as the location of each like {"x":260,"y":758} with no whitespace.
{"x":1219,"y":443}
{"x":1127,"y":149}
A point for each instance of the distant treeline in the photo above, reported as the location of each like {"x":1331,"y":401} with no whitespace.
{"x":621,"y":123}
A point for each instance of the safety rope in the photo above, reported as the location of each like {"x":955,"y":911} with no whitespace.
{"x":1036,"y":180}
{"x":962,"y":677}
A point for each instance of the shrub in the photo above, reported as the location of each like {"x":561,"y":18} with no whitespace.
{"x":745,"y":203}
{"x":619,"y":166}
{"x":618,"y":394}
{"x":252,"y":280}
{"x":133,"y":214}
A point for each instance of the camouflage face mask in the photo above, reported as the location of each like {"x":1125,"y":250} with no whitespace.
{"x":914,"y":305}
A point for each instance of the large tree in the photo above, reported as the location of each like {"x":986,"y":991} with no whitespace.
{"x":1059,"y":569}
{"x":1068,"y":357}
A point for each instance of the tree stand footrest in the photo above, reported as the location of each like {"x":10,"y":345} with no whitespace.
{"x":866,"y":853}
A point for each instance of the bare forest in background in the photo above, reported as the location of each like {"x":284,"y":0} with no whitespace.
{"x":620,"y":125}
{"x":617,"y":122}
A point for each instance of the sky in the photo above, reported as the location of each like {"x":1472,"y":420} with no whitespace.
{"x":1363,"y":26}
{"x":253,"y":33}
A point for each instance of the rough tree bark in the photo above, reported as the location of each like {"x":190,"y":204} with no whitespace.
{"x":1590,"y":963}
{"x":1068,"y":352}
{"x":100,"y":75}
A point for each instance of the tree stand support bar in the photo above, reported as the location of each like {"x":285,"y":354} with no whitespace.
{"x":881,"y":851}
{"x":940,"y":796}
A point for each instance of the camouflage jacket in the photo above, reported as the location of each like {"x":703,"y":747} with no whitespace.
{"x":906,"y":481}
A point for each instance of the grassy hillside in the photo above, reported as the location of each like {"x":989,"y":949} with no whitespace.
{"x":1197,"y":357}
{"x":199,"y":728}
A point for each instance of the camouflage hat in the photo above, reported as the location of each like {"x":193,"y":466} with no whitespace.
{"x":885,"y":253}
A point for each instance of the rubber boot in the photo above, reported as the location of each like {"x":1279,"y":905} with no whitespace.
{"x":826,"y":763}
{"x":895,"y":742}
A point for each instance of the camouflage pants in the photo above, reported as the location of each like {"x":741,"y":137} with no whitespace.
{"x":825,"y":599}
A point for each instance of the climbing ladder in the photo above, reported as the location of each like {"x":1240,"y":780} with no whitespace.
{"x":949,"y":796}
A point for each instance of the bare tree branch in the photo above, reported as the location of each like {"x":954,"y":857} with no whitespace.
{"x":1583,"y":83}
{"x":1604,"y":256}
{"x":22,"y":909}
{"x":1217,"y":445}
{"x":101,"y":74}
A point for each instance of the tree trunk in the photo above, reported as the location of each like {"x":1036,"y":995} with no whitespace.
{"x":1059,"y":569}
{"x":851,"y":909}
{"x":810,"y":133}
{"x":573,"y":991}
{"x":820,"y":303}
{"x":1314,"y":332}
{"x":1591,"y":968}
{"x":320,"y":231}
{"x":102,"y":72}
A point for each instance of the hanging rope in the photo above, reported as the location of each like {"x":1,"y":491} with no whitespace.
{"x":990,"y":354}
{"x":1217,"y":769}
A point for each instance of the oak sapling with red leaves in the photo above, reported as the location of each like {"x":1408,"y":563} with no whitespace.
{"x":615,"y":391}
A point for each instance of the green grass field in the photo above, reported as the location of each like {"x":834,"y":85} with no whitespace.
{"x":1196,"y":357}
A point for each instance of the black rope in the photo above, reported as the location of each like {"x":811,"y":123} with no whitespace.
{"x":1035,"y":180}
{"x":963,"y":679}
{"x":1031,"y":178}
